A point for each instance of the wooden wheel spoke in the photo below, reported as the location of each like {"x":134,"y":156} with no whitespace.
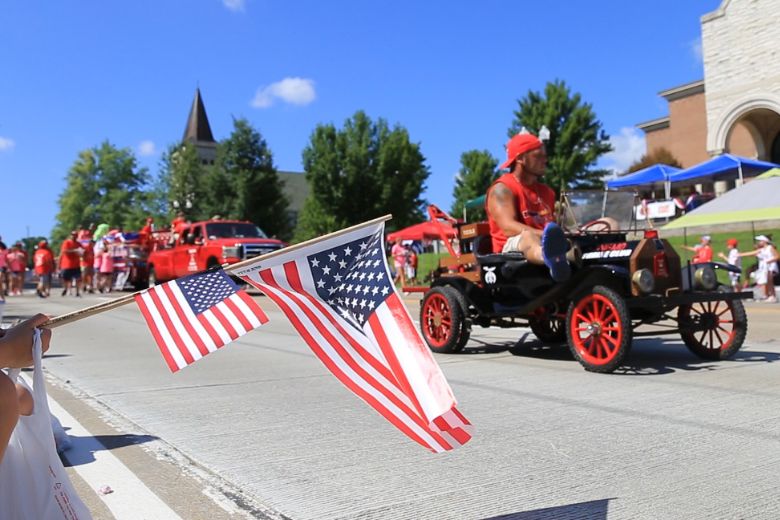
{"x":727,"y":309}
{"x":610,"y":339}
{"x":717,"y":335}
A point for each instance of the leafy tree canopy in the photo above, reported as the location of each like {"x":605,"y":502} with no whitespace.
{"x":359,"y":172}
{"x":244,"y":184}
{"x":477,"y":172}
{"x":660,"y":155}
{"x":576,"y":141}
{"x":182,"y":182}
{"x":103,"y":185}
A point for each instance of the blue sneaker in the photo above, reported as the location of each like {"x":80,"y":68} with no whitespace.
{"x":554,"y":247}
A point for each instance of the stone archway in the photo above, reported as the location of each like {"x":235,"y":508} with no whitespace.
{"x":757,"y":119}
{"x":775,"y":153}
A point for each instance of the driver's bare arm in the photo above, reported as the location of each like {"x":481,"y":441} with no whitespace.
{"x":501,"y":205}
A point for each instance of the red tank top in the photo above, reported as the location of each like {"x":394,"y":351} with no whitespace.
{"x":533,"y":204}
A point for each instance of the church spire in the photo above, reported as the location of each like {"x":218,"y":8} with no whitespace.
{"x":198,"y":130}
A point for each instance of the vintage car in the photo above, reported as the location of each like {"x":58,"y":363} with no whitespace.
{"x":621,"y":280}
{"x":202,"y":245}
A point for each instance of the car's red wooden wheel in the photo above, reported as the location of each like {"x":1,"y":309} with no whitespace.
{"x":443,"y":320}
{"x":436,"y":320}
{"x":596,"y":329}
{"x":713,"y":330}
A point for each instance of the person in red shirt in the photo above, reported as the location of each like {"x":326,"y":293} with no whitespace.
{"x":702,"y":252}
{"x":70,"y":264}
{"x":43,"y":264}
{"x":17,"y":264}
{"x":87,"y":266}
{"x":520,"y":209}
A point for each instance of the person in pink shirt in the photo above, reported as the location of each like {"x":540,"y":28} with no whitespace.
{"x":106,"y":268}
{"x":398,"y":252}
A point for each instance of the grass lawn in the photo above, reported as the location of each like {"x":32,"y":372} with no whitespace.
{"x":427,"y":262}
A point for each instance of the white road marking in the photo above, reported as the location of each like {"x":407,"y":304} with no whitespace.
{"x":131,"y":499}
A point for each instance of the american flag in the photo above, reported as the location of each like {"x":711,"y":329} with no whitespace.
{"x":195,"y":315}
{"x":340,"y":297}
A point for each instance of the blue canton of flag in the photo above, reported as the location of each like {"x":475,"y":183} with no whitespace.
{"x":352,"y":278}
{"x":204,"y":290}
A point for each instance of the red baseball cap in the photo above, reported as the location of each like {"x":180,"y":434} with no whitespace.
{"x":518,"y":145}
{"x":732,"y":242}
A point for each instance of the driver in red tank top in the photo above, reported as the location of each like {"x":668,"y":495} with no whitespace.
{"x":520,"y":209}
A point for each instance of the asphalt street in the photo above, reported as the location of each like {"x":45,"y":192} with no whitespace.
{"x":260,"y":429}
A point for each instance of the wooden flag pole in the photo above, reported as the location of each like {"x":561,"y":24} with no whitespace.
{"x":86,"y":312}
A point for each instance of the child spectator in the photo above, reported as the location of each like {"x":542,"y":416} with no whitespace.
{"x":702,"y":251}
{"x":106,"y":275}
{"x":411,"y":263}
{"x":735,"y":260}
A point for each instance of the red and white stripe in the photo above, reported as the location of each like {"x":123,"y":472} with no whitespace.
{"x":184,"y":337}
{"x":374,"y":365}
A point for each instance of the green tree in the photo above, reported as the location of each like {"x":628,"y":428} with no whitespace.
{"x":182,"y":179}
{"x":660,"y":155}
{"x":360,"y":172}
{"x":244,"y":183}
{"x":577,"y":139}
{"x":477,"y":172}
{"x":104,"y":185}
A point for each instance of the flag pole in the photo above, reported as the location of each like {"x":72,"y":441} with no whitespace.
{"x":86,"y":312}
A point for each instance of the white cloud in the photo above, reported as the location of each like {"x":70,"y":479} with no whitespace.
{"x":627,"y":147}
{"x":696,"y":49}
{"x":146,"y":148}
{"x":296,"y":91}
{"x":234,"y":5}
{"x":6,"y":144}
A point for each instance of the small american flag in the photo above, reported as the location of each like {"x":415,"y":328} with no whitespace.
{"x":194,"y":315}
{"x":340,"y":297}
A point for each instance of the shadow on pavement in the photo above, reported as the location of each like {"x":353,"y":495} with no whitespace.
{"x":648,"y":356}
{"x":83,"y":448}
{"x":593,"y":510}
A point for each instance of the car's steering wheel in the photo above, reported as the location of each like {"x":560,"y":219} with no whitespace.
{"x":599,"y":225}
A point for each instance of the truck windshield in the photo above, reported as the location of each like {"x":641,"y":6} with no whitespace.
{"x":233,"y":230}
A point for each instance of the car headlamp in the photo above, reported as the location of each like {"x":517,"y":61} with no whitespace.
{"x":644,"y":280}
{"x":705,"y":278}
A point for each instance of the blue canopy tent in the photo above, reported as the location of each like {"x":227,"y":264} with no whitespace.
{"x":722,"y":168}
{"x":651,"y":178}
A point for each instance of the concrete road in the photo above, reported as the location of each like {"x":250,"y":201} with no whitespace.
{"x":262,"y":430}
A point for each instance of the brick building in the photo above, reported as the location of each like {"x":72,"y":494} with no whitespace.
{"x":736,"y":107}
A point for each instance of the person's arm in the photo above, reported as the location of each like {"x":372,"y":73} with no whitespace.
{"x":501,"y":206}
{"x":689,"y":248}
{"x":750,"y":253}
{"x":16,"y":344}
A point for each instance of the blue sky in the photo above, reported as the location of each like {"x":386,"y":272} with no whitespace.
{"x":74,"y":74}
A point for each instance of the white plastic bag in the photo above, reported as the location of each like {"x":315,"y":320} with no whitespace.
{"x":33,"y":481}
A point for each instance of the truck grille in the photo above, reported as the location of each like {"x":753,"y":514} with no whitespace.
{"x":253,"y":250}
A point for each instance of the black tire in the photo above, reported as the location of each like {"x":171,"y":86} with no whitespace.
{"x":550,"y":331}
{"x":444,"y":323}
{"x":152,"y":278}
{"x":598,"y":329}
{"x":725,"y":328}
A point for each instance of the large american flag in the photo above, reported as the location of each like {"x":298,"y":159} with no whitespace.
{"x":340,"y":297}
{"x":195,"y":315}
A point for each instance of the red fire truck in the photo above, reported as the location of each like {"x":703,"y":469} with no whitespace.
{"x":201,"y":245}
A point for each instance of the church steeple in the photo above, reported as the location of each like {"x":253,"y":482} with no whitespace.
{"x":198,"y":130}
